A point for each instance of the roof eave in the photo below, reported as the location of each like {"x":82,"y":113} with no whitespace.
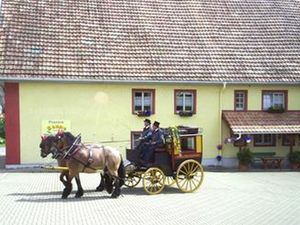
{"x":76,"y":80}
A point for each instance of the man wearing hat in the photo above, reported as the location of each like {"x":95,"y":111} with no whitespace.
{"x":156,"y":141}
{"x":146,"y":134}
{"x":144,"y":141}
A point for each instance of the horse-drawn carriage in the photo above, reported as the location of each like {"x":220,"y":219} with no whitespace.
{"x":179,"y":161}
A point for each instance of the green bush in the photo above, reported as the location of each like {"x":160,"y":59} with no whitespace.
{"x":294,"y":157}
{"x":245,"y":156}
{"x":2,"y":128}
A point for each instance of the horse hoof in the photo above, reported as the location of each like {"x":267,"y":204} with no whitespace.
{"x":114,"y":196}
{"x":78,"y":195}
{"x":109,"y":189}
{"x":99,"y":188}
{"x":64,"y":196}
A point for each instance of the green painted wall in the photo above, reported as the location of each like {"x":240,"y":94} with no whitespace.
{"x":102,"y":112}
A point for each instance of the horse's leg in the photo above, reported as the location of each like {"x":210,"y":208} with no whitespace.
{"x":108,"y":182}
{"x":107,"y":179}
{"x":64,"y":174}
{"x":79,"y":192}
{"x":101,"y":185}
{"x":61,"y":178}
{"x":116,"y":184}
{"x":68,"y":187}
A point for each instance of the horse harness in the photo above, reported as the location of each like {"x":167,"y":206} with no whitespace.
{"x":71,"y":152}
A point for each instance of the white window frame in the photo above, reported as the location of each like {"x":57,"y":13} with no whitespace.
{"x":243,"y":99}
{"x":264,"y":142}
{"x":273,"y":99}
{"x":185,"y":92}
{"x":143,"y":100}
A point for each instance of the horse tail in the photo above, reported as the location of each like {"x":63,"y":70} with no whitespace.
{"x":121,"y":172}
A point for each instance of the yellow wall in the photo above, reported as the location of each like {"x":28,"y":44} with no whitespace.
{"x":254,"y":103}
{"x":102,"y":112}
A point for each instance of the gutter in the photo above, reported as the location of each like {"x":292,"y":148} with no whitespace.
{"x":220,"y":111}
{"x":79,"y":80}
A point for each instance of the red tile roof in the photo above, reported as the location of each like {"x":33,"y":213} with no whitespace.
{"x":254,"y":122}
{"x":140,"y":40}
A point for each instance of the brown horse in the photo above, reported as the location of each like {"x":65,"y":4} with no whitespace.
{"x":86,"y":158}
{"x":46,"y":140}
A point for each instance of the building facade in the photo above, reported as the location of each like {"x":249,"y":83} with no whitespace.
{"x":106,"y":113}
{"x":93,"y":67}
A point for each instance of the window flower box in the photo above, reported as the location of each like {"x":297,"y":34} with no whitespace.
{"x":273,"y":109}
{"x":185,"y":113}
{"x":143,"y":113}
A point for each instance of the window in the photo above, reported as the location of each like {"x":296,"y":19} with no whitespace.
{"x":134,"y":137}
{"x":143,"y":101}
{"x":264,"y":140}
{"x":286,"y":140}
{"x":240,"y":100}
{"x":188,"y":143}
{"x":275,"y":99}
{"x":185,"y":101}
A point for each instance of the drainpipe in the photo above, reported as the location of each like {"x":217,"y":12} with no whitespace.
{"x":220,"y":110}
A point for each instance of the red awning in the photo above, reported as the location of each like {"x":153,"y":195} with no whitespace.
{"x":258,"y":122}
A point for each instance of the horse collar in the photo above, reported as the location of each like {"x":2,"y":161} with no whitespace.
{"x":73,"y":150}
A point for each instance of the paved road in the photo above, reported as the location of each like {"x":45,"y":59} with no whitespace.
{"x":224,"y":198}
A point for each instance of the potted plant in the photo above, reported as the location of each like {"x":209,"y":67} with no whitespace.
{"x":143,"y":113}
{"x":294,"y":159}
{"x":245,"y":157}
{"x":185,"y":113}
{"x":276,"y":109}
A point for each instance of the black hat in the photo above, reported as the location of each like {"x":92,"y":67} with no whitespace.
{"x":148,"y":121}
{"x":156,"y":124}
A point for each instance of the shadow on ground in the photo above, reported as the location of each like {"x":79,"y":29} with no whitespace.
{"x":55,"y":196}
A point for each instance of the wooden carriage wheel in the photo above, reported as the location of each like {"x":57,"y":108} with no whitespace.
{"x":169,"y":181}
{"x":189,"y":176}
{"x":132,"y":178}
{"x":154,"y":180}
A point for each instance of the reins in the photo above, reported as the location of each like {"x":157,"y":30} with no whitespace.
{"x":70,"y":148}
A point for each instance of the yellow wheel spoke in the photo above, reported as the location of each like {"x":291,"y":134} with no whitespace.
{"x":184,"y":182}
{"x":194,"y":168}
{"x":194,"y":183}
{"x":189,"y":175}
{"x":183,"y":172}
{"x":153,"y":180}
{"x":184,"y":169}
{"x":181,"y":178}
{"x":186,"y":185}
{"x":191,"y":185}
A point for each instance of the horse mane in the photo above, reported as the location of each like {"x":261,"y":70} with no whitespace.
{"x":69,"y":137}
